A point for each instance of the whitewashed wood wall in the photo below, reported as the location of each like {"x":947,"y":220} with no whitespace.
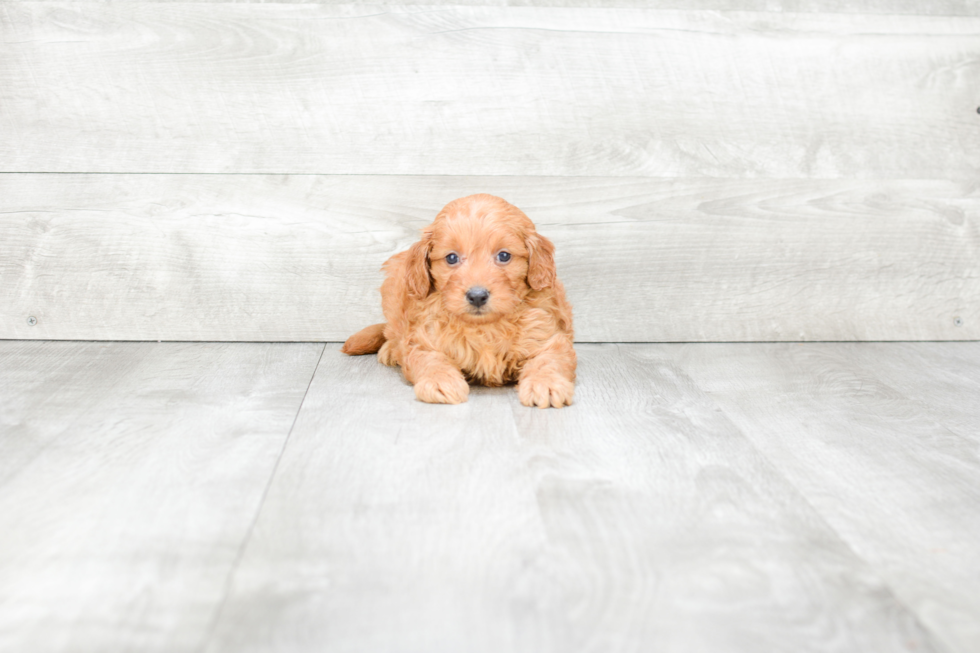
{"x":709,"y":170}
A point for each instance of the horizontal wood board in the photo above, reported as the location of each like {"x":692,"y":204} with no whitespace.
{"x":482,"y":90}
{"x":130,"y":475}
{"x":895,"y":7}
{"x":276,"y":258}
{"x":639,"y":519}
{"x":884,"y":442}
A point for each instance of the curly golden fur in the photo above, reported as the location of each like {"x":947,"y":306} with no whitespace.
{"x":476,"y":300}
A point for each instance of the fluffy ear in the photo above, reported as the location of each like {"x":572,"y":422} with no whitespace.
{"x":540,"y":262}
{"x":417,"y":268}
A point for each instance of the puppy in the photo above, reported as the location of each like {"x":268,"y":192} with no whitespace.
{"x":476,"y":300}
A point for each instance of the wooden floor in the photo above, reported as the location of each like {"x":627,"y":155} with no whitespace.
{"x":283,"y":497}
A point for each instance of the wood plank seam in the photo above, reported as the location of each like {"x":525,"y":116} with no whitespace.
{"x":258,"y":511}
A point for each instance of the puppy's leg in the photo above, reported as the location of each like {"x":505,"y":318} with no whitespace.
{"x":366,"y":341}
{"x":386,"y":355}
{"x":436,"y":379}
{"x":548,"y":377}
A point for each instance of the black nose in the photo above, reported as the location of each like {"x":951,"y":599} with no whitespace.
{"x":477,"y":296}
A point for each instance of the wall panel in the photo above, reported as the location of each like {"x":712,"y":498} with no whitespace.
{"x":297,"y":257}
{"x":348,"y":89}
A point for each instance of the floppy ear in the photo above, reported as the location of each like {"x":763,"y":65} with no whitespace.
{"x":540,"y":261}
{"x":417,"y":268}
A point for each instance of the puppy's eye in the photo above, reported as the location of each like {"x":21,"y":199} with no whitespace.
{"x":452,"y":258}
{"x":503,"y":257}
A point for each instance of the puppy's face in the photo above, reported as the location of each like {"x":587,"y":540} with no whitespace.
{"x":478,"y":267}
{"x":483,"y":257}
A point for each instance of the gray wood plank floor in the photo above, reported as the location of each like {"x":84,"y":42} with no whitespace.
{"x":739,"y":497}
{"x":136,"y":472}
{"x":888,"y":450}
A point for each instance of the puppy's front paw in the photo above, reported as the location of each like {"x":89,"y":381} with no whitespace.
{"x":447,"y":387}
{"x":386,"y":355}
{"x":544,"y":391}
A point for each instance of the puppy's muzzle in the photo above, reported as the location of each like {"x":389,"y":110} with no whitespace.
{"x":477,"y":296}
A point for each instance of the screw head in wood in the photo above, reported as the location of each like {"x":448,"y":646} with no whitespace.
{"x":957,"y":321}
{"x":32,"y":320}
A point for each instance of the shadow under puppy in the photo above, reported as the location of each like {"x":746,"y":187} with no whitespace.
{"x":476,"y":300}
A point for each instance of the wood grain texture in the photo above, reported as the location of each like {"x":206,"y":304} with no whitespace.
{"x":215,"y":257}
{"x":130,"y":474}
{"x":945,"y":383}
{"x":639,"y":519}
{"x":37,"y":381}
{"x":884,"y":441}
{"x":815,"y":497}
{"x":342,"y":89}
{"x":895,"y":7}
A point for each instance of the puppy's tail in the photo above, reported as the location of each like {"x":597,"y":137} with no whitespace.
{"x":366,"y":341}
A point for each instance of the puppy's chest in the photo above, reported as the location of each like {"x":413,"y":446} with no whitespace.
{"x":487,"y":355}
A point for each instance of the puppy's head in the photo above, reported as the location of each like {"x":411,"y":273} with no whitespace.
{"x":483,"y":256}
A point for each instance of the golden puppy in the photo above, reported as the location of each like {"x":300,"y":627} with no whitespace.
{"x":476,"y":300}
